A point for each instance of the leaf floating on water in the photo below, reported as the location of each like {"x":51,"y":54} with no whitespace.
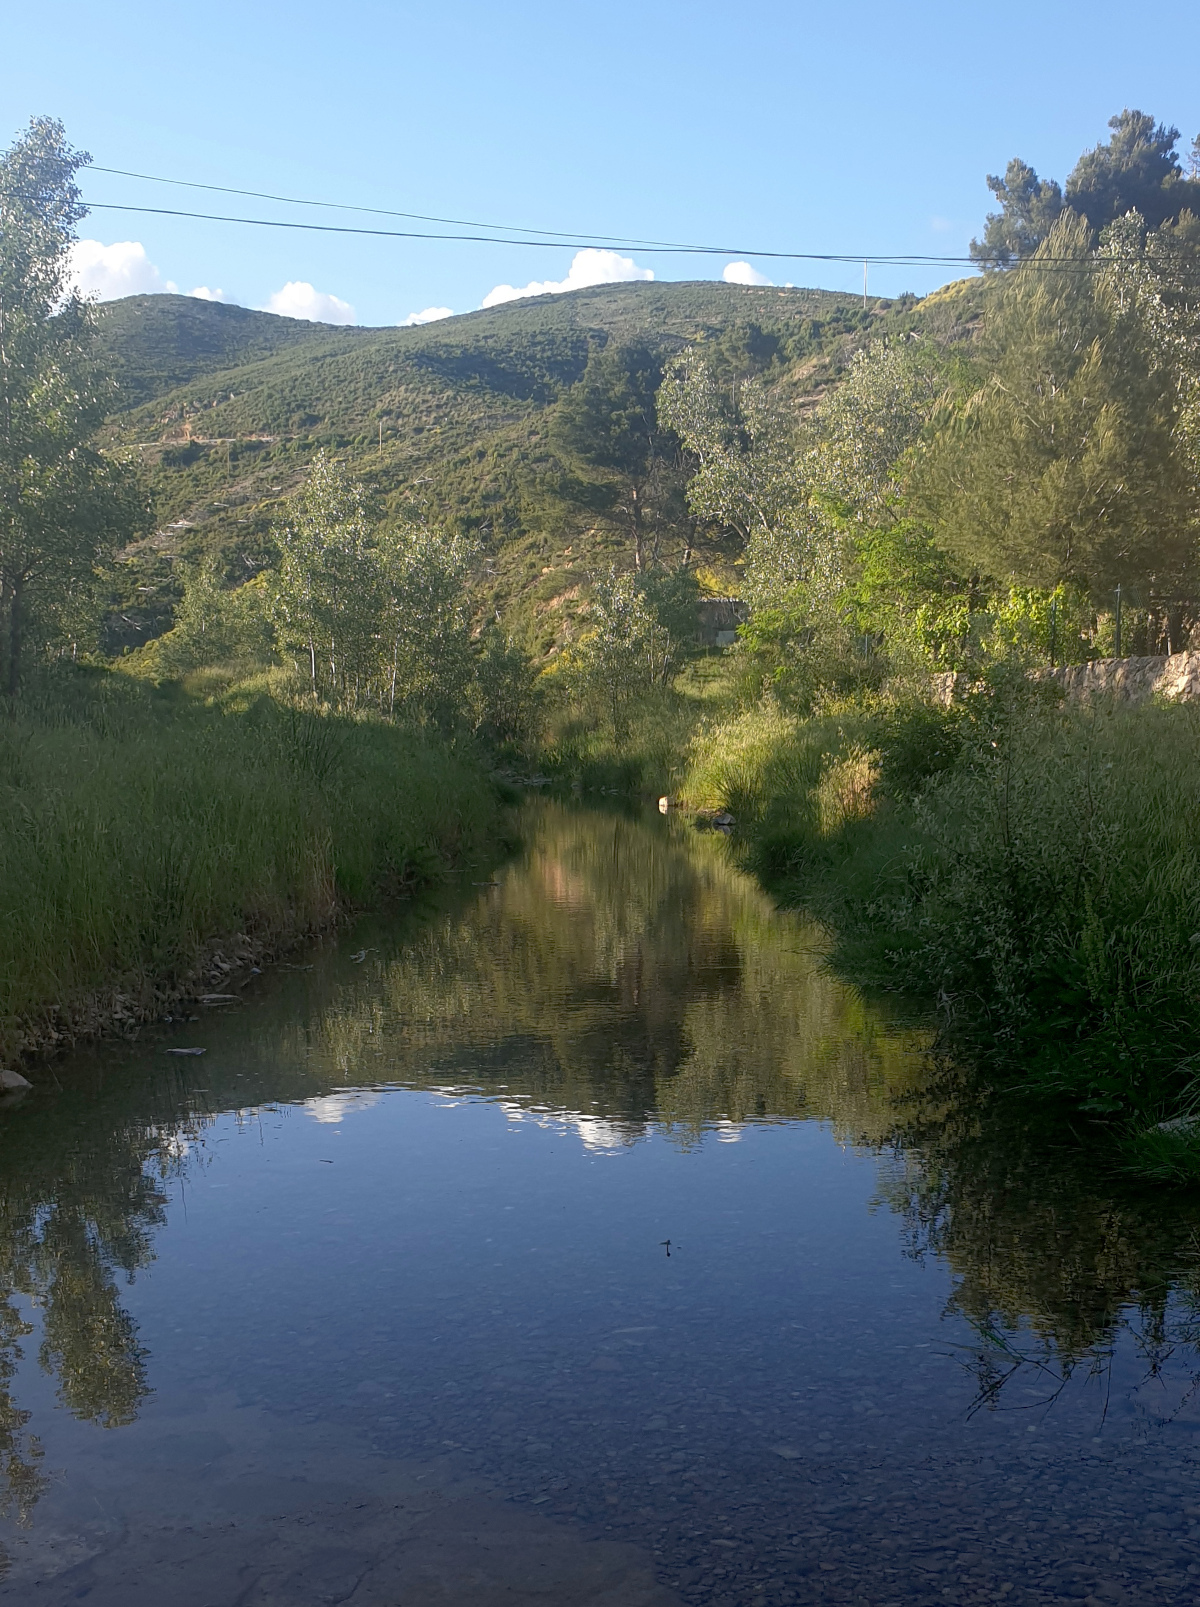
{"x":187,"y":1051}
{"x":218,"y":998}
{"x":357,"y":959}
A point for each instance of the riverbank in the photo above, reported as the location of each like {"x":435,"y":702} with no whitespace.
{"x":1031,"y":867}
{"x":154,"y":840}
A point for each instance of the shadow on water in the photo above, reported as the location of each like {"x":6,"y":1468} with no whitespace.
{"x":620,"y":983}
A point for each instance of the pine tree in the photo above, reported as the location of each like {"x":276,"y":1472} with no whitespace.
{"x":1066,"y":463}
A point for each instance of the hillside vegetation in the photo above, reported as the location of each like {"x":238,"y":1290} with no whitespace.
{"x":227,"y":408}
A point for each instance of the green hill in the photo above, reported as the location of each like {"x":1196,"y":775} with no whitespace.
{"x":226,"y":407}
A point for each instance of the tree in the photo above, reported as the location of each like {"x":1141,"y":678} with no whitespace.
{"x":1066,"y":463}
{"x":328,"y":592}
{"x":377,"y":613}
{"x":425,"y":626}
{"x":609,"y":420}
{"x":1136,"y":171}
{"x":624,"y":651}
{"x":867,"y":424}
{"x":64,"y":506}
{"x":1029,"y":207}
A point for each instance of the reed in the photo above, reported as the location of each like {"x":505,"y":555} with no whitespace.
{"x":140,"y":826}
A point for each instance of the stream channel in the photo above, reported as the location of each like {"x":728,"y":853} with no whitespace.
{"x":575,"y":1238}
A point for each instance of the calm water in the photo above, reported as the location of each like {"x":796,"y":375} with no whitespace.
{"x":578,"y":1240}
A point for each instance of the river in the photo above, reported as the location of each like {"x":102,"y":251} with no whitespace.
{"x":576,"y":1238}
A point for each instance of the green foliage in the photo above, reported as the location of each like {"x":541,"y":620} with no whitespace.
{"x":624,"y":651}
{"x":609,"y":420}
{"x":375,"y":616}
{"x":1064,"y":464}
{"x":139,"y":823}
{"x":229,"y":409}
{"x":869,"y":421}
{"x":214,"y":624}
{"x":63,"y":505}
{"x":1031,"y":867}
{"x":1029,"y":209}
{"x":1136,"y":171}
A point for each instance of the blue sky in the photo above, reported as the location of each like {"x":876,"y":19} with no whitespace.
{"x":811,"y":127}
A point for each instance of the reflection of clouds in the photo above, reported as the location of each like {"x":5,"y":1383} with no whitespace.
{"x":331,"y":1108}
{"x":603,"y":1135}
{"x":728,"y":1132}
{"x":599,"y":1134}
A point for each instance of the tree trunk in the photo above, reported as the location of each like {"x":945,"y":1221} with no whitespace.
{"x":14,"y":639}
{"x":635,"y":519}
{"x":1174,"y":630}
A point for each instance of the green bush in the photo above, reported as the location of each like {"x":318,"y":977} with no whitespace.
{"x":1034,"y":869}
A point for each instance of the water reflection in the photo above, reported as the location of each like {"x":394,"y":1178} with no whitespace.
{"x":624,"y":975}
{"x":618,"y":979}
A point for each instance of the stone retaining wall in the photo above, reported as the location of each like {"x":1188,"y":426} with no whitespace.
{"x":1132,"y":680}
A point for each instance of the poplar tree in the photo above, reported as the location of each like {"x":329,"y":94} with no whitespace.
{"x":64,"y":506}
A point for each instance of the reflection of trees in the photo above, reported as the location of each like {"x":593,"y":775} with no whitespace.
{"x":1053,"y":1257}
{"x":619,"y":974}
{"x":79,"y":1202}
{"x":628,"y":973}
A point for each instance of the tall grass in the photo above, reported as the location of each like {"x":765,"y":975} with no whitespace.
{"x":139,"y":825}
{"x":1034,"y":869}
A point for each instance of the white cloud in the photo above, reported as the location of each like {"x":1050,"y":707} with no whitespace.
{"x":588,"y":267}
{"x":298,"y":299}
{"x":124,"y":269}
{"x":121,"y":269}
{"x":429,"y":316}
{"x":330,"y":1109}
{"x":741,"y":273}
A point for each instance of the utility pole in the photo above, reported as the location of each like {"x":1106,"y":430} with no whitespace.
{"x":1117,"y":632}
{"x":864,"y":284}
{"x":381,"y":440}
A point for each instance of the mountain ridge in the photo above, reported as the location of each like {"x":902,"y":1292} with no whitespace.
{"x":226,"y":407}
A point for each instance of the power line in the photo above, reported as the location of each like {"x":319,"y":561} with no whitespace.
{"x":378,"y":211}
{"x":586,"y":242}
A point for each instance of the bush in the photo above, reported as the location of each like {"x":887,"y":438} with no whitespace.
{"x":1034,"y":869}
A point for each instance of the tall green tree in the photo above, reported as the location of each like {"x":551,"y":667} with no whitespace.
{"x":376,"y":614}
{"x":868,"y":422}
{"x":426,"y":663}
{"x":1065,"y":462}
{"x":1137,"y":170}
{"x":328,"y":592}
{"x":624,"y":650}
{"x":64,"y":506}
{"x":1029,"y":207}
{"x":609,"y":421}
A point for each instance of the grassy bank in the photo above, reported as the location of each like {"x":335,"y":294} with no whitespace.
{"x":1035,"y":869}
{"x":142,"y":828}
